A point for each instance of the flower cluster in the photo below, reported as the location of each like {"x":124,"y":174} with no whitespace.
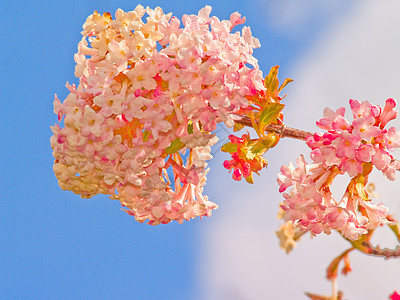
{"x":353,"y":148}
{"x":395,"y":296}
{"x":247,"y":154}
{"x":138,"y":127}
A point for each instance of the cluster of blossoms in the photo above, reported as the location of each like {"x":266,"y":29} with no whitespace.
{"x":139,"y":125}
{"x":241,"y":162}
{"x":353,"y":148}
{"x":395,"y":296}
{"x":247,"y":154}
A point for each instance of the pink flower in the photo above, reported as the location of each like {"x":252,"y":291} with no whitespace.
{"x":364,"y":128}
{"x":363,"y":109}
{"x":352,"y":167}
{"x":142,"y":76}
{"x":236,"y":19}
{"x":390,"y":169}
{"x":92,"y":122}
{"x":330,"y":116}
{"x":365,"y":153}
{"x":395,"y":296}
{"x":244,"y":162}
{"x":349,"y":146}
{"x":381,"y":158}
{"x":149,"y":91}
{"x":392,"y":139}
{"x":376,"y":214}
{"x":110,"y":104}
{"x":343,"y":149}
{"x":388,"y":113}
{"x":346,"y":145}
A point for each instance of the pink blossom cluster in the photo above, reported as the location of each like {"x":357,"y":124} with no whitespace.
{"x":352,"y":148}
{"x":240,"y":166}
{"x":365,"y":140}
{"x":138,"y":127}
{"x":243,"y":161}
{"x":395,"y":296}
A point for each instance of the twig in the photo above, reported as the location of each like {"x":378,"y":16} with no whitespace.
{"x":283,"y":131}
{"x":279,"y":129}
{"x":376,"y":251}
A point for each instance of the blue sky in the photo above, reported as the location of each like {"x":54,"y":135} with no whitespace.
{"x":55,"y":245}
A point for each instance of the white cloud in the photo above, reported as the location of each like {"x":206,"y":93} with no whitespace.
{"x":293,"y":16}
{"x":357,"y":58}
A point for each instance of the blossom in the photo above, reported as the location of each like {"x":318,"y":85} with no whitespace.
{"x":395,"y":296}
{"x":353,"y":149}
{"x":152,"y":88}
{"x":244,"y":160}
{"x":110,"y":104}
{"x":366,"y":140}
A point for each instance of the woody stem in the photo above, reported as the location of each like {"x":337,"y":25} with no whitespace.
{"x":376,"y":251}
{"x":367,"y":248}
{"x":282,"y":130}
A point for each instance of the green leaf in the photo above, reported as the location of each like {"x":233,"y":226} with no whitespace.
{"x":190,"y":127}
{"x":317,"y":297}
{"x":360,"y":187}
{"x":255,"y":125}
{"x":237,"y":127}
{"x":268,"y":115}
{"x":396,"y":229}
{"x":264,"y":143}
{"x":229,"y":147}
{"x":146,"y":135}
{"x":249,"y":178}
{"x":285,"y":83}
{"x":271,"y":81}
{"x":175,"y":146}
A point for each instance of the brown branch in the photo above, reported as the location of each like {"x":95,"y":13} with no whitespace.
{"x":376,"y":251}
{"x":282,"y":130}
